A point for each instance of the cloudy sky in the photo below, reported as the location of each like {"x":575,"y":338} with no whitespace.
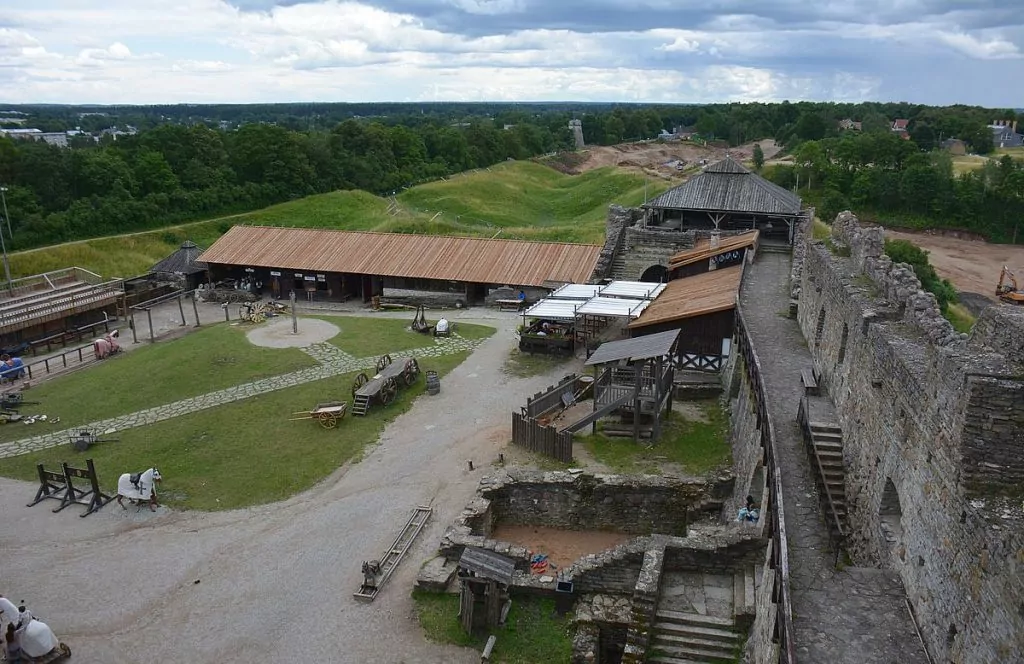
{"x":167,"y":51}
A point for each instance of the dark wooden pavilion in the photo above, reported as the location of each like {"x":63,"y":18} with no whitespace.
{"x":633,"y":377}
{"x":727,"y":196}
{"x":485,"y":577}
{"x":183,"y":264}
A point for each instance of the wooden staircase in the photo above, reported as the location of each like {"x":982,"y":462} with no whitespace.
{"x":826,"y":447}
{"x":692,"y":638}
{"x":360,"y":405}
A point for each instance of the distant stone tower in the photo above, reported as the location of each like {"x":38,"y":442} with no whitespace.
{"x":576,"y":127}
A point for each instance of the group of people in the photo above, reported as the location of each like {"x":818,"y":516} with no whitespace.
{"x":11,"y":368}
{"x":25,"y":636}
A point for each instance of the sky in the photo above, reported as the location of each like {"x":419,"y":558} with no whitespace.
{"x":678,"y":51}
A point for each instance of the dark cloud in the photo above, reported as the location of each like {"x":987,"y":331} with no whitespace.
{"x":488,"y":17}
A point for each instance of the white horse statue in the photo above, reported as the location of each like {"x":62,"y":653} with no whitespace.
{"x":138,"y":488}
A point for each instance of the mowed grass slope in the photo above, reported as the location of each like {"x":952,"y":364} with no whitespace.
{"x":522,"y":200}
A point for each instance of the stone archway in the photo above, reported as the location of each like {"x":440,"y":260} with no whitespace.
{"x":890,"y":516}
{"x":655,"y":274}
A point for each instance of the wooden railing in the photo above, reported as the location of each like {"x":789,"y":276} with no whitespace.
{"x":710,"y":363}
{"x":783,"y":632}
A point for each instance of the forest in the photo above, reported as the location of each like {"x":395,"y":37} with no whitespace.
{"x":191,"y":162}
{"x":892,"y":181}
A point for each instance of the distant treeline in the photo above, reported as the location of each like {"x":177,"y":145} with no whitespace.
{"x":185,"y":164}
{"x":882,"y":177}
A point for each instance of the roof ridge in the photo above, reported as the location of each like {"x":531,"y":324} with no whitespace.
{"x":461,"y":237}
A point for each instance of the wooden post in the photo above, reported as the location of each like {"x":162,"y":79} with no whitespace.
{"x":131,"y":324}
{"x":295,"y":320}
{"x":195,"y":308}
{"x":637,"y":374}
{"x":149,"y":315}
{"x":181,"y":310}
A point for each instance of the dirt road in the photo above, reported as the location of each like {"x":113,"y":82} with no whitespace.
{"x":971,"y":265}
{"x":271,"y":583}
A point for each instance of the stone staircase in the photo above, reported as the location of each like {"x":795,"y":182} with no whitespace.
{"x":691,"y":638}
{"x":680,"y":636}
{"x":826,"y":449}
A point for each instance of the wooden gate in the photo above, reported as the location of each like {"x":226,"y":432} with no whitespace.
{"x":530,"y":434}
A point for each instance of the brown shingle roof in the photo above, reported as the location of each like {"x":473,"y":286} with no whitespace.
{"x":704,"y":250}
{"x":477,"y":260}
{"x":702,"y":294}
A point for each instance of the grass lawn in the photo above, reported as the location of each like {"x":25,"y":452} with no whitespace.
{"x":243,"y":453}
{"x":697,"y":444}
{"x":212,"y":358}
{"x":960,"y":317}
{"x":524,"y":199}
{"x":534,"y":633}
{"x":524,"y":365}
{"x":967,"y":162}
{"x":366,"y":337}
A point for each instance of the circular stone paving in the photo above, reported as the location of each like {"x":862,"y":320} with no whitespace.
{"x":278,"y":333}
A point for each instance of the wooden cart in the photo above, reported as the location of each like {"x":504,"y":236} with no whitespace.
{"x":384,"y":386}
{"x":327,"y":414}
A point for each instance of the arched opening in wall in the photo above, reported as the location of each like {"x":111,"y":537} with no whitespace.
{"x":842,"y":343}
{"x":890,"y":515}
{"x":819,"y":328}
{"x":655,"y":274}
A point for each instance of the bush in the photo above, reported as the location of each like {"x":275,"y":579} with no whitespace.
{"x":904,"y":251}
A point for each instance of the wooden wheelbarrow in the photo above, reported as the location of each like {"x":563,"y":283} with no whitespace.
{"x":327,"y":414}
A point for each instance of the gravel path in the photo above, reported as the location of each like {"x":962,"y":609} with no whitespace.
{"x":271,"y":583}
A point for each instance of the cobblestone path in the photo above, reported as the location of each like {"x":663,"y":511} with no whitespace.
{"x":854,"y":616}
{"x":332,"y":362}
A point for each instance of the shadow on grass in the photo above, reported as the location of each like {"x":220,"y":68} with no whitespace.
{"x":533,"y":633}
{"x":697,"y":443}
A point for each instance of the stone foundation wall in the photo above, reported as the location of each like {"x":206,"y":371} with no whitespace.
{"x":622,"y":503}
{"x":930,"y":424}
{"x":619,"y":218}
{"x":644,"y":247}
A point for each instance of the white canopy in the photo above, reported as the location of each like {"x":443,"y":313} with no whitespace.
{"x":555,"y":309}
{"x":642,"y":290}
{"x":576,"y":292}
{"x":615,"y":307}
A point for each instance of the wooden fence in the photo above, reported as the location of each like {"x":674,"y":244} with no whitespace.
{"x":551,"y":398}
{"x":530,"y":434}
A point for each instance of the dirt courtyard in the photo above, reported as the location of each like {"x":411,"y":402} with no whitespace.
{"x":971,"y":265}
{"x":659,"y":159}
{"x":562,"y":547}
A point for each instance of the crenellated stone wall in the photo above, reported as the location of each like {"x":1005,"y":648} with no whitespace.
{"x":932,"y":425}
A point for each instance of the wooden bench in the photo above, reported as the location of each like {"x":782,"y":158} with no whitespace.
{"x":809,"y":382}
{"x":509,"y":305}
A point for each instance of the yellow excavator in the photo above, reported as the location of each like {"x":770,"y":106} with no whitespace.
{"x":1007,"y":289}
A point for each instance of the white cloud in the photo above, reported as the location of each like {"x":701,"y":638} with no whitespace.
{"x":124,"y":51}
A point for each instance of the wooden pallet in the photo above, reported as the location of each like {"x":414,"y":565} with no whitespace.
{"x":393,"y":555}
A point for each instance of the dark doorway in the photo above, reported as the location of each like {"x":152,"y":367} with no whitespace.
{"x":655,"y":274}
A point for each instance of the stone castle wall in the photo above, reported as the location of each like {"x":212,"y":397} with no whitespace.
{"x":932,"y":424}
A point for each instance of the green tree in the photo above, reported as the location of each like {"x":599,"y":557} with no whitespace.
{"x":153,"y":174}
{"x":758,"y":156}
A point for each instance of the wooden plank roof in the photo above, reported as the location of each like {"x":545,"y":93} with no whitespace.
{"x":728,"y":186}
{"x":698,"y":295}
{"x":467,"y":259}
{"x":637,"y":348}
{"x":703,"y":249}
{"x":487,"y":564}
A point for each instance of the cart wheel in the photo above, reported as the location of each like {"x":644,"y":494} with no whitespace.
{"x":361,"y":379}
{"x":384,"y":361}
{"x":412,"y":371}
{"x":328,"y":420}
{"x":388,"y":391}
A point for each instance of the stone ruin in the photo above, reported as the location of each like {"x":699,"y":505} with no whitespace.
{"x":615,"y":592}
{"x":933,"y":439}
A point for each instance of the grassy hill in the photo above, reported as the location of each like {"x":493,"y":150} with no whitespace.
{"x":521,"y":200}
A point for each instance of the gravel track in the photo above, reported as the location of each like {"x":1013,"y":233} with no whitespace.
{"x":275,"y":582}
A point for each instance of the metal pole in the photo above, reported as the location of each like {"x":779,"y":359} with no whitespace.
{"x":295,"y":321}
{"x":3,"y":197}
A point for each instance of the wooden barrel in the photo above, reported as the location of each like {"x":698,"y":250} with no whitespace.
{"x":433,"y":383}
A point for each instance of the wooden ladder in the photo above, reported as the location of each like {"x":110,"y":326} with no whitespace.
{"x":361,"y":405}
{"x":393,"y":555}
